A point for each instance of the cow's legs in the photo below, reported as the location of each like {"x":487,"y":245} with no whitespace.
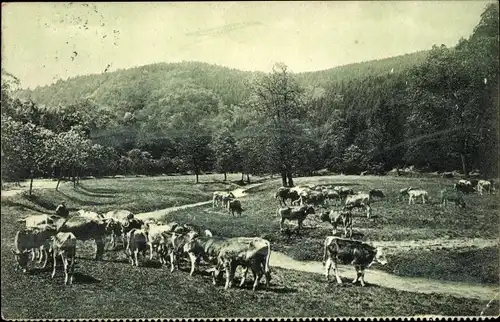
{"x":409,"y":200}
{"x":368,"y":211}
{"x":245,"y":271}
{"x":423,"y":199}
{"x":55,"y":263}
{"x":136,"y":253}
{"x":328,"y":265}
{"x":99,"y":242}
{"x":192,"y":258}
{"x":336,"y":271}
{"x":358,"y":274}
{"x":72,"y":268}
{"x":46,"y":253}
{"x":172,"y":261}
{"x":150,"y":251}
{"x":281,"y":223}
{"x":65,"y":264}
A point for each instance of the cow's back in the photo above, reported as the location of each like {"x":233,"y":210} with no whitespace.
{"x":84,"y":228}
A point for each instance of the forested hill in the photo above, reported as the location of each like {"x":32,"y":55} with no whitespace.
{"x":132,"y":87}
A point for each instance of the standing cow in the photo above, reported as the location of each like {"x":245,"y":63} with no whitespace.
{"x":350,"y":252}
{"x":339,"y":218}
{"x":294,"y":213}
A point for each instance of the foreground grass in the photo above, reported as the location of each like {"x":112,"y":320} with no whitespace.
{"x":114,"y":289}
{"x":135,"y":194}
{"x":465,"y":265}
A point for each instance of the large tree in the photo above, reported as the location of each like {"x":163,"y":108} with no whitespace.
{"x":278,"y":99}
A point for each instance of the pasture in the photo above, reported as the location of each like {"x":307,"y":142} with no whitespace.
{"x":115,"y":289}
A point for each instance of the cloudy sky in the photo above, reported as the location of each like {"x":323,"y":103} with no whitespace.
{"x":43,"y":42}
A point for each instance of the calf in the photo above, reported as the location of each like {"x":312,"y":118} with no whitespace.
{"x":28,"y":239}
{"x":338,"y":218}
{"x":345,"y":251}
{"x":294,"y":213}
{"x":250,"y":252}
{"x":416,"y":193}
{"x":137,"y":241}
{"x":403,"y":193}
{"x":64,"y":245}
{"x":235,"y":206}
{"x":455,"y":196}
{"x":464,"y":186}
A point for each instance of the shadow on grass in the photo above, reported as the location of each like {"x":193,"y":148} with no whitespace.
{"x":85,"y":192}
{"x":100,"y":190}
{"x":81,"y":278}
{"x":84,"y":202}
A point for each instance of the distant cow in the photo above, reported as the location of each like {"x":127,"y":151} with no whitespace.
{"x":226,"y":198}
{"x":283,"y":193}
{"x":377,"y":193}
{"x":64,"y":245}
{"x":464,"y":186}
{"x":454,"y":196}
{"x":346,"y":251}
{"x":250,"y":252}
{"x":343,"y":191}
{"x":331,"y":194}
{"x":312,"y":198}
{"x":417,"y":193}
{"x":403,"y":193}
{"x":484,"y":185}
{"x":216,"y":198}
{"x":294,"y":213}
{"x":235,"y":206}
{"x":338,"y":218}
{"x":359,"y":200}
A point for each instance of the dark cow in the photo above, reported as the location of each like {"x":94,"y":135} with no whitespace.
{"x":62,"y":211}
{"x":235,"y":206}
{"x":464,"y":186}
{"x":454,"y":196}
{"x":377,"y":193}
{"x":338,"y":218}
{"x":350,"y":252}
{"x":295,"y":213}
{"x":86,"y":229}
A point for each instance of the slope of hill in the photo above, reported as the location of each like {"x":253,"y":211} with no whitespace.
{"x":132,"y":87}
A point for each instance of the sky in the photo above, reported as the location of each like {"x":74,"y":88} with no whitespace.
{"x":44,"y":42}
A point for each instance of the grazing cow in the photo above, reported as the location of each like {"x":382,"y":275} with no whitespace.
{"x":64,"y":245}
{"x":181,"y":239}
{"x":137,"y":241}
{"x":403,"y":193}
{"x":295,"y":213}
{"x":455,"y":196}
{"x":249,"y":252}
{"x":235,"y":206}
{"x":346,"y":251}
{"x":464,"y":186}
{"x":416,"y":193}
{"x":62,"y":211}
{"x":483,"y":185}
{"x":28,"y":239}
{"x":359,"y":200}
{"x":156,"y":235}
{"x":128,"y":225}
{"x":338,"y":218}
{"x":377,"y":193}
{"x":86,"y":229}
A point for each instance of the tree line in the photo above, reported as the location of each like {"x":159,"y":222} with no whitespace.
{"x":437,"y":111}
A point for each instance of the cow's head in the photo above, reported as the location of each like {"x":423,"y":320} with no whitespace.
{"x":380,"y":256}
{"x":377,"y":193}
{"x":22,"y":258}
{"x":324,"y":216}
{"x":310,"y":210}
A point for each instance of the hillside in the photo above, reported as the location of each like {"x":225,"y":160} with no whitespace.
{"x":133,"y":87}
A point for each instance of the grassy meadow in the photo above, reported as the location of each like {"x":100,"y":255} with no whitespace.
{"x":115,"y":289}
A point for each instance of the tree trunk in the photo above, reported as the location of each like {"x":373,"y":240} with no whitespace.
{"x":225,"y":177}
{"x":58,"y":182}
{"x":242,"y":176}
{"x":248,"y":178}
{"x":464,"y":166}
{"x":31,"y":182}
{"x":290,"y":180}
{"x":197,"y":178}
{"x":283,"y":179}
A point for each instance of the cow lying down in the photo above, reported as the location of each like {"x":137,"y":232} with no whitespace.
{"x":350,"y":252}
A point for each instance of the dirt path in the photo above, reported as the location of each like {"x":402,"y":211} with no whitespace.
{"x":25,"y":185}
{"x":373,"y":276}
{"x":158,"y":214}
{"x":439,"y":243}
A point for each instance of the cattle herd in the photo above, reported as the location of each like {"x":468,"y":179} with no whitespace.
{"x":55,"y":236}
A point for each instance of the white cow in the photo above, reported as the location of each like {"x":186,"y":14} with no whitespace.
{"x":417,"y":193}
